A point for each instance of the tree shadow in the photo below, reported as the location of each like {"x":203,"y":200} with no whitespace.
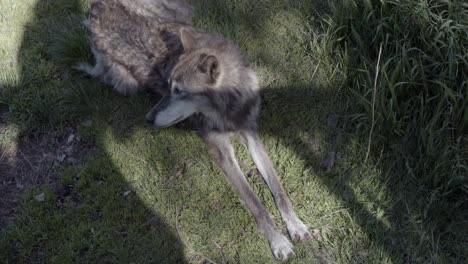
{"x":77,"y":205}
{"x":403,"y":219}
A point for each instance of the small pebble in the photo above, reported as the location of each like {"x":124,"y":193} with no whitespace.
{"x":40,"y":197}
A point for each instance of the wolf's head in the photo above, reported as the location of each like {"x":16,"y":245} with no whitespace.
{"x":211,"y":77}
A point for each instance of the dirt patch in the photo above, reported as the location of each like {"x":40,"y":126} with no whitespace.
{"x":35,"y":161}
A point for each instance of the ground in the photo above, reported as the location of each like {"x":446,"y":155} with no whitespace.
{"x":84,"y":179}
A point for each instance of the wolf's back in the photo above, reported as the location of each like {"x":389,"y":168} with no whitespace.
{"x":144,"y":45}
{"x":166,"y":11}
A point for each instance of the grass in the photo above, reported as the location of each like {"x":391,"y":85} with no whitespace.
{"x":406,"y":203}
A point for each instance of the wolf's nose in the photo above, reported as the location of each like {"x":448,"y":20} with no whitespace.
{"x":149,"y":119}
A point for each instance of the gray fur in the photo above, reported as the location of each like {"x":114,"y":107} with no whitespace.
{"x":151,"y":44}
{"x":132,"y":51}
{"x":173,"y":11}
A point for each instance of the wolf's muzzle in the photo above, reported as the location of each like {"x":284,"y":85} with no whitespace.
{"x":170,"y":110}
{"x":161,"y":106}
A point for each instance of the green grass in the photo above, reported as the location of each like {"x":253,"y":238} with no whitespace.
{"x":406,"y":203}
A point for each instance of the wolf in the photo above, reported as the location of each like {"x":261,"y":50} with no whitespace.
{"x":201,"y":76}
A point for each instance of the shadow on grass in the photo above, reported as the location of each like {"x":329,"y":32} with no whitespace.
{"x":400,"y":215}
{"x":77,"y":206}
{"x":89,"y":216}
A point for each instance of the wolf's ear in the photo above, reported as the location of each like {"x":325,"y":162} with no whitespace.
{"x":188,"y":38}
{"x":209,"y":65}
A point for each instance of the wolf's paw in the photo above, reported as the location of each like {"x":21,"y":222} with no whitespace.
{"x":85,"y":67}
{"x":298,"y":231}
{"x":281,"y":247}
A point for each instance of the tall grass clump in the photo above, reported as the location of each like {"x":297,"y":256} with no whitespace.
{"x":407,"y":74}
{"x":416,"y":105}
{"x":418,"y":108}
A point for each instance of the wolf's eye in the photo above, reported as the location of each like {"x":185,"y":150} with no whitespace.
{"x":177,"y":90}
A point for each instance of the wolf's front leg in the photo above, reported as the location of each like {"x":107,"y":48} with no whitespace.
{"x":220,"y":148}
{"x":297,"y":230}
